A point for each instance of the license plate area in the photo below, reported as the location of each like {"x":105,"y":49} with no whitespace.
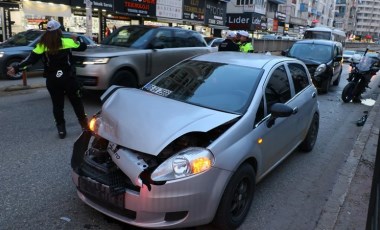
{"x":100,"y":192}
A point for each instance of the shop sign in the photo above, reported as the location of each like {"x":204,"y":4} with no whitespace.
{"x":215,"y":13}
{"x":169,"y":9}
{"x":99,"y":4}
{"x":194,"y":10}
{"x":141,"y":7}
{"x":280,"y":16}
{"x":246,"y":21}
{"x":64,"y":2}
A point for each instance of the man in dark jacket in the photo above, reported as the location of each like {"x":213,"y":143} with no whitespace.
{"x":228,"y":44}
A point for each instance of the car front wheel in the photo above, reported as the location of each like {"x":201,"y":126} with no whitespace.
{"x":237,"y":199}
{"x":124,"y":78}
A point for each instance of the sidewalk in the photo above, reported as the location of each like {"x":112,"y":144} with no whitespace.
{"x":32,"y":82}
{"x":347,"y":206}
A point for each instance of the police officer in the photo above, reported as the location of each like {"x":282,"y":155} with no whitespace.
{"x":228,"y":44}
{"x":245,"y":42}
{"x":59,"y":72}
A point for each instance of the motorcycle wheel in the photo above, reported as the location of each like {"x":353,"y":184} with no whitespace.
{"x":348,"y":92}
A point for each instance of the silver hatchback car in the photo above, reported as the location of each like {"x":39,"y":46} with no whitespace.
{"x":188,"y":148}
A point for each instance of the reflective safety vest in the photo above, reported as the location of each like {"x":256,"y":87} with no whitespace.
{"x":246,"y":47}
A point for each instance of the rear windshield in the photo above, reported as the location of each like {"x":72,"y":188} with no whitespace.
{"x":307,"y":51}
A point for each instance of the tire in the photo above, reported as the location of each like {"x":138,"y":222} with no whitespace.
{"x":336,"y":82}
{"x":325,"y":85}
{"x":311,"y":137}
{"x":348,"y":92}
{"x":124,"y":78}
{"x":11,"y":62}
{"x":237,"y":199}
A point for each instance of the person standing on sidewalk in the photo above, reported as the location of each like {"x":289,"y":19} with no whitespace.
{"x":59,"y":72}
{"x":228,"y":44}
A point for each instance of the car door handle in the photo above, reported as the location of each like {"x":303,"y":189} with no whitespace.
{"x":295,"y":110}
{"x":313,"y":95}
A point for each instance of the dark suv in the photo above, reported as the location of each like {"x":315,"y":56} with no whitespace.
{"x":323,"y":58}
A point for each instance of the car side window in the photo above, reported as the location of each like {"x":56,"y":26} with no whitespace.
{"x":299,"y":76}
{"x":187,"y":38}
{"x":278,"y":88}
{"x":336,"y":51}
{"x":162,"y":39}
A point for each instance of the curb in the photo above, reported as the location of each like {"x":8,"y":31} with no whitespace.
{"x":330,"y":212}
{"x":22,"y":87}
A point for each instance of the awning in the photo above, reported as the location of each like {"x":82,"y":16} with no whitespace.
{"x":368,"y":36}
{"x":46,"y":9}
{"x":314,"y":21}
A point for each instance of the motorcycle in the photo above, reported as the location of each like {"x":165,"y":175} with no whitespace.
{"x":359,"y":77}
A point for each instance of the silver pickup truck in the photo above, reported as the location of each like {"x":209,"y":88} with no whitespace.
{"x":133,"y":55}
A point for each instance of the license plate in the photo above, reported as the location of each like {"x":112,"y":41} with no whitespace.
{"x":101,"y":192}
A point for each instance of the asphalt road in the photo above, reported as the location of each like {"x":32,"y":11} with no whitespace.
{"x":36,"y":191}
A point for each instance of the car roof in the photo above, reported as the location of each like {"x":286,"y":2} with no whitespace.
{"x":158,"y":27}
{"x":242,"y":59}
{"x":317,"y":41}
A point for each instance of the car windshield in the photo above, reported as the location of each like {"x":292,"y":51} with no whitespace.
{"x":23,"y":38}
{"x":311,"y":51}
{"x":134,"y":37}
{"x":208,"y":84}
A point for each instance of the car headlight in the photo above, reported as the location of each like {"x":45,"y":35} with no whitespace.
{"x":95,"y":123}
{"x":320,"y":69}
{"x":95,"y":61}
{"x":1,"y":54}
{"x":188,"y":162}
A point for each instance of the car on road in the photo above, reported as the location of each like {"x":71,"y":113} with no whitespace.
{"x":323,"y":58}
{"x":188,"y":147}
{"x":213,"y":41}
{"x":271,"y":37}
{"x":19,"y":46}
{"x":133,"y":55}
{"x":347,"y":55}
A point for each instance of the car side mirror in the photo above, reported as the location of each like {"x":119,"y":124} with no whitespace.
{"x":338,"y":58}
{"x":285,"y":52}
{"x":375,"y":68}
{"x":279,"y":110}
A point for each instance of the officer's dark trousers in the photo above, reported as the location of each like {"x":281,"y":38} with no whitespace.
{"x":57,"y":88}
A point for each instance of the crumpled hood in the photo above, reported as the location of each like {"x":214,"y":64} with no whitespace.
{"x":146,"y":122}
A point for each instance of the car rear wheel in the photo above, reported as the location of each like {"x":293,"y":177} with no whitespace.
{"x":237,"y":199}
{"x":311,"y":137}
{"x":124,"y":78}
{"x":12,"y":62}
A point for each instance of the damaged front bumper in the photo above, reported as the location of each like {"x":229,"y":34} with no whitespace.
{"x":117,"y":190}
